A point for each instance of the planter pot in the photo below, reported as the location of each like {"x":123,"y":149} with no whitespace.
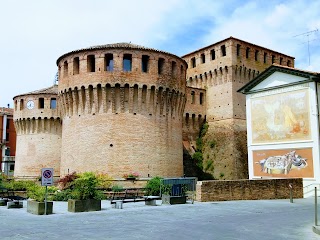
{"x":167,"y":199}
{"x":84,"y":205}
{"x":37,"y":208}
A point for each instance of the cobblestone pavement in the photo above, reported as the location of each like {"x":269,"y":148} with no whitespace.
{"x":262,"y":219}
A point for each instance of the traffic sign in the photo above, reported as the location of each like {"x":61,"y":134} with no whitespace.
{"x":47,"y":176}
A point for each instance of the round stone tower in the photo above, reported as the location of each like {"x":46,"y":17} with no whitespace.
{"x":121,"y":107}
{"x":38,"y":126}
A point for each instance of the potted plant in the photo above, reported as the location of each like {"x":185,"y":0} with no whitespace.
{"x":36,"y":201}
{"x":131,"y":176}
{"x":173,"y":194}
{"x":85,"y":195}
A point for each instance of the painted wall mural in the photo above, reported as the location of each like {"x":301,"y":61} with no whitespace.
{"x":281,"y":117}
{"x":283,"y":163}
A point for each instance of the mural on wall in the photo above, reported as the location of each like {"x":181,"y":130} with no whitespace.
{"x":283,"y":163}
{"x":281,"y":117}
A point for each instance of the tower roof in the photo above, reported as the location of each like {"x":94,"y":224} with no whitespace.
{"x":124,"y":45}
{"x":237,"y":39}
{"x":49,"y":90}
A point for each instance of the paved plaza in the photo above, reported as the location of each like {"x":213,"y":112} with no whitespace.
{"x":262,"y":219}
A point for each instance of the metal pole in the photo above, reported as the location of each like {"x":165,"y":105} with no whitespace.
{"x":315,"y":207}
{"x":291,"y":197}
{"x":45,"y":201}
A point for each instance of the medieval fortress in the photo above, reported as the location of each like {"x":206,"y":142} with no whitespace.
{"x":121,"y":108}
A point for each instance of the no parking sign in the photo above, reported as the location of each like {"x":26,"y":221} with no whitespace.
{"x":47,"y":176}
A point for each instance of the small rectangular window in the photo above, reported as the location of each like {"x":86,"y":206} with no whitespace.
{"x":203,"y":58}
{"x":238,"y":49}
{"x":213,"y":54}
{"x":265,"y":57}
{"x":289,"y":63}
{"x":160,"y":65}
{"x":108,"y":62}
{"x":192,"y":97}
{"x":127,"y":62}
{"x":193,"y":62}
{"x":41,"y":103}
{"x":53,"y":103}
{"x":201,"y":98}
{"x":145,"y":63}
{"x":281,"y":61}
{"x":91,"y":63}
{"x":173,"y":69}
{"x":65,"y":68}
{"x":247,"y":52}
{"x":76,"y":62}
{"x":223,"y":51}
{"x":256,"y":54}
{"x":273,"y":58}
{"x":21,"y":104}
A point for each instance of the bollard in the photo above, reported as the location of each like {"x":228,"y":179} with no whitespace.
{"x":315,"y":207}
{"x":291,"y":195}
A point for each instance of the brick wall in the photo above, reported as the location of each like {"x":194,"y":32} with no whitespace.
{"x":248,"y":189}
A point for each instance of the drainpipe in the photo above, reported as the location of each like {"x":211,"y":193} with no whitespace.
{"x":4,"y":136}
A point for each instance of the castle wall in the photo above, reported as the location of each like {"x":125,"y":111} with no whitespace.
{"x":222,"y":69}
{"x":117,"y":121}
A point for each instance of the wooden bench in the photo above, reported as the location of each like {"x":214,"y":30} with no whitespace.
{"x":132,"y":195}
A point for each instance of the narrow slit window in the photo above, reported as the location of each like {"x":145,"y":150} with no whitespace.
{"x":21,"y":104}
{"x":192,"y":97}
{"x":273,"y":58}
{"x":91,"y":63}
{"x":247,"y":52}
{"x":76,"y":62}
{"x":65,"y":68}
{"x":265,"y":58}
{"x":41,"y":103}
{"x":203,"y":58}
{"x":145,"y":63}
{"x":127,"y":62}
{"x":256,"y":55}
{"x":160,"y":65}
{"x":108,"y":62}
{"x":53,"y":103}
{"x":223,"y":51}
{"x":193,"y":62}
{"x":173,"y":69}
{"x":238,"y":49}
{"x":213,"y":54}
{"x":281,"y":61}
{"x":201,"y":98}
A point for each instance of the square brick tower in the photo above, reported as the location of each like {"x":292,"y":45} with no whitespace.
{"x":221,"y":69}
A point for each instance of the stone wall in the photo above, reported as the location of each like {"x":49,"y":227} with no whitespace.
{"x":248,"y":189}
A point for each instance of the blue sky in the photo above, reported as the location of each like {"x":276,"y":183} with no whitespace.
{"x":35,"y":33}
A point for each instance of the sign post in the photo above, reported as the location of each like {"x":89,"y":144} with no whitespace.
{"x":46,"y":180}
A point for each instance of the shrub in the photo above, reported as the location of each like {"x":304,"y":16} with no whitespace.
{"x":67,"y":180}
{"x":153,"y":186}
{"x":117,"y":188}
{"x":104,"y":181}
{"x":63,"y":195}
{"x":84,"y":187}
{"x":21,"y":185}
{"x":198,"y":158}
{"x":37,"y":192}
